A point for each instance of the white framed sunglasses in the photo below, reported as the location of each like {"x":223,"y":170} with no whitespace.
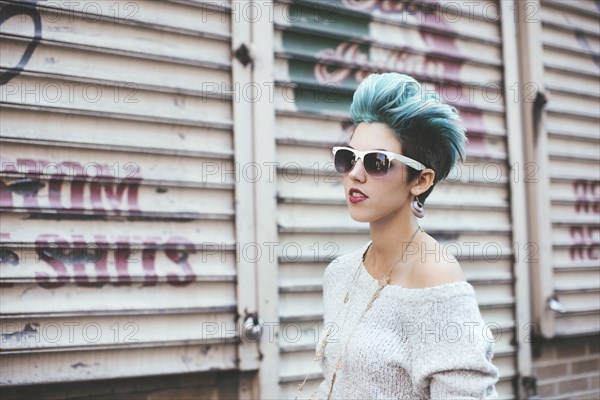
{"x":375,"y":162}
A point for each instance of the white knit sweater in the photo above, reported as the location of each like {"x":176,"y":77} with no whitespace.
{"x":428,"y":343}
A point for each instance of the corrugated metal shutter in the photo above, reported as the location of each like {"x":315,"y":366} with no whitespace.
{"x":322,"y":52}
{"x":118,"y":219}
{"x":571,"y":57}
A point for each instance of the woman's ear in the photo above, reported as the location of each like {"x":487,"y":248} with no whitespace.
{"x":423,"y":182}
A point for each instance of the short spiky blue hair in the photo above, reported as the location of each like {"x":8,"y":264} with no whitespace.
{"x":429,"y":131}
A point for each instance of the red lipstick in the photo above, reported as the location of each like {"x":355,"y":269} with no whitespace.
{"x":356,"y":196}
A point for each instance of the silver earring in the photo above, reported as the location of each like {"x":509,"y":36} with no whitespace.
{"x":417,"y":208}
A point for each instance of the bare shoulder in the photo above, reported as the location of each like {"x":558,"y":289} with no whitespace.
{"x":437,"y":271}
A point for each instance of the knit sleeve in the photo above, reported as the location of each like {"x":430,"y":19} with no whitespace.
{"x":451,"y":349}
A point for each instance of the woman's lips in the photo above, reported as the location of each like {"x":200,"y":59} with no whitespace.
{"x":356,"y":196}
{"x":354,"y":199}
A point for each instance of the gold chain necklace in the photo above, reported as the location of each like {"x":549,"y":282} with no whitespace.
{"x":383,"y":282}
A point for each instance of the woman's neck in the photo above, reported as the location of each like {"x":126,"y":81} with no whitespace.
{"x":390,"y":242}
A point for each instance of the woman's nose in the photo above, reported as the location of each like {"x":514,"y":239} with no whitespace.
{"x":357,"y":172}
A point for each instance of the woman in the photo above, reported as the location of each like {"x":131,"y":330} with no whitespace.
{"x":400,"y":320}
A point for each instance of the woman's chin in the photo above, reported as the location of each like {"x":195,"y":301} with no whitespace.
{"x":361,"y":216}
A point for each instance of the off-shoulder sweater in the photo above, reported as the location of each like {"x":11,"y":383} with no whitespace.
{"x":425,"y":343}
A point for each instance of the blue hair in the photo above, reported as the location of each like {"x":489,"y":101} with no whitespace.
{"x":430,"y":131}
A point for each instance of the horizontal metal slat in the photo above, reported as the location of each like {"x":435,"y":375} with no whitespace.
{"x":18,"y":40}
{"x":568,"y":92}
{"x":318,"y":161}
{"x":123,"y":74}
{"x":80,"y":29}
{"x":572,"y":135}
{"x":120,"y":199}
{"x":95,"y":261}
{"x":379,"y":35}
{"x":113,"y":242}
{"x":209,"y":231}
{"x":321,"y":246}
{"x":47,"y":334}
{"x":572,"y":283}
{"x":488,"y":149}
{"x":461,"y":190}
{"x":308,"y":30}
{"x":125,"y":312}
{"x":15,"y":138}
{"x":472,"y":99}
{"x":297,"y":275}
{"x":584,"y":8}
{"x":293,"y":217}
{"x":149,"y":346}
{"x":24,"y":126}
{"x":294,"y":368}
{"x":575,"y":267}
{"x":568,"y":50}
{"x":287,"y":103}
{"x":489,"y":79}
{"x":215,"y":15}
{"x":587,"y":83}
{"x":59,"y":262}
{"x":46,"y":214}
{"x":582,"y":64}
{"x":500,"y":349}
{"x":405,"y":13}
{"x":586,"y":169}
{"x":568,"y":34}
{"x":570,"y":70}
{"x":304,"y":288}
{"x":359,"y":230}
{"x":126,"y":297}
{"x":571,"y":177}
{"x":155,"y":279}
{"x":584,"y":228}
{"x":498,"y":301}
{"x":576,"y":105}
{"x":68,"y":367}
{"x":579,"y":301}
{"x":37,"y":162}
{"x":475,"y":177}
{"x":121,"y":116}
{"x":299,"y":127}
{"x":288,"y":388}
{"x":485,"y":125}
{"x":499,"y":308}
{"x":432,"y":204}
{"x":100,"y":99}
{"x":574,"y":157}
{"x":574,"y":211}
{"x":587,"y":289}
{"x":501,"y":256}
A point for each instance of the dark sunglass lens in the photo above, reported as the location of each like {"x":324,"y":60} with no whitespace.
{"x":344,"y":160}
{"x":377,"y":164}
